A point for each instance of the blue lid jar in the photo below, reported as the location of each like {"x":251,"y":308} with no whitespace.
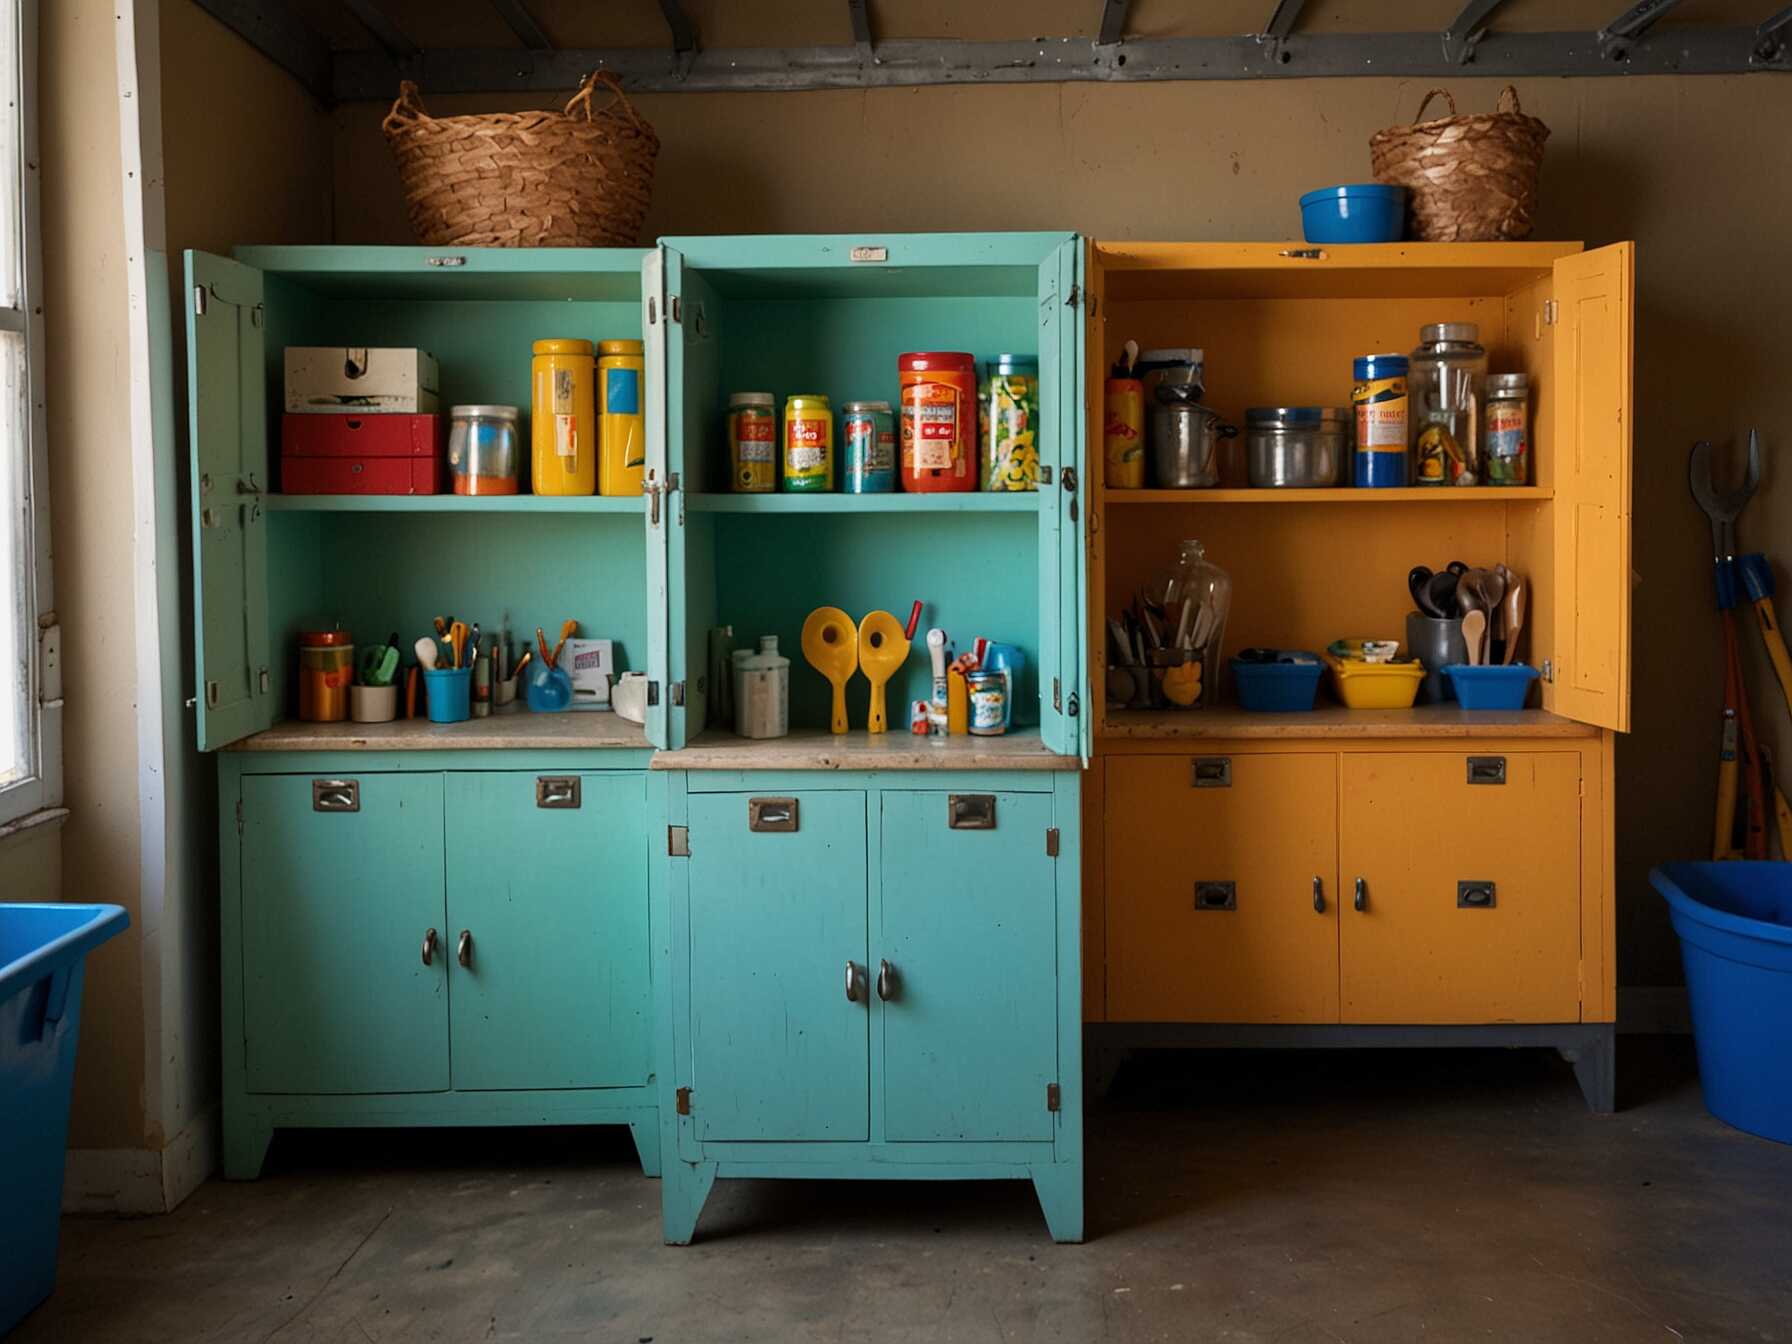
{"x":1006,"y":364}
{"x":1369,"y":367}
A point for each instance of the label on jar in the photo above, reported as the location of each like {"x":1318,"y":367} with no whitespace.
{"x":869,"y":449}
{"x":753,"y":435}
{"x":1380,"y":413}
{"x":566,"y":435}
{"x":986,"y":705}
{"x":562,"y":392}
{"x":807,"y":446}
{"x":1508,"y":445}
{"x":930,"y":428}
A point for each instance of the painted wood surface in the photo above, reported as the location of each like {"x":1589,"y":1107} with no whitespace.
{"x":818,"y":749}
{"x":517,"y":731}
{"x":1334,"y":722}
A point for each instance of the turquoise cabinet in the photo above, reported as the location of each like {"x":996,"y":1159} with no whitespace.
{"x":780,"y":1034}
{"x":342,"y":929}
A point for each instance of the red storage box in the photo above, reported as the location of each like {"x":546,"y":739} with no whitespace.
{"x":362,"y":454}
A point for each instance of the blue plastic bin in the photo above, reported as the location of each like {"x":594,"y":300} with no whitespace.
{"x":1365,"y":212}
{"x":1491,"y":686}
{"x":1276,"y":679}
{"x":1735,"y":927}
{"x":43,"y":951}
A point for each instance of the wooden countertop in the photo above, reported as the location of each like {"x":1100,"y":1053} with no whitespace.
{"x":575,"y":730}
{"x":859,"y":750}
{"x":1333,"y":721}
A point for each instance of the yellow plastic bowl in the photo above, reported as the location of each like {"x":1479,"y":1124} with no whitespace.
{"x":1363,"y":685}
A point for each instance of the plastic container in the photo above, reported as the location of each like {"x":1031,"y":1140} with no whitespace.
{"x":483,"y":453}
{"x":762,"y":692}
{"x":373,"y":704}
{"x":450,"y":694}
{"x":546,"y":690}
{"x":938,"y":421}
{"x":1010,"y":662}
{"x":1269,"y":680}
{"x":1735,"y":927}
{"x":1362,"y":685}
{"x":43,"y":958}
{"x":621,"y":418}
{"x":1010,"y":424}
{"x":1491,"y":687}
{"x":326,"y":669}
{"x":1363,"y":212}
{"x":563,"y":419}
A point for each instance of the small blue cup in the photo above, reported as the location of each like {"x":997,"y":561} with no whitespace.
{"x":546,"y":689}
{"x":449,"y":693}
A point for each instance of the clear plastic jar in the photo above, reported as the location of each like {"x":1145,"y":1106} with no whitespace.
{"x":482,"y":450}
{"x":1196,"y":597}
{"x":1446,"y":383}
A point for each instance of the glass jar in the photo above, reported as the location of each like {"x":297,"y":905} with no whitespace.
{"x":1508,"y":437}
{"x":1195,"y":597}
{"x":1445,"y":382}
{"x":482,"y":450}
{"x":1009,"y":406}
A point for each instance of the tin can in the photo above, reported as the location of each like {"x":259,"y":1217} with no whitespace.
{"x":1379,"y":395}
{"x":752,"y":436}
{"x":621,"y":425}
{"x":1009,"y":411}
{"x":939,"y":421}
{"x":1508,"y":436}
{"x":808,"y":444}
{"x":326,"y":667}
{"x":989,"y":703}
{"x":563,"y":419}
{"x":1123,"y":434}
{"x":868,"y":444}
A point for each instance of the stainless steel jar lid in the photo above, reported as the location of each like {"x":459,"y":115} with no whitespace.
{"x":482,"y":413}
{"x":1295,"y":417}
{"x":1459,"y":333}
{"x":1507,"y":384}
{"x":861,"y":407}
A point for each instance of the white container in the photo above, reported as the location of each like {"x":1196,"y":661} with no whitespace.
{"x":591,"y":665}
{"x":374,"y":380}
{"x":373,"y":704}
{"x":762,"y":692}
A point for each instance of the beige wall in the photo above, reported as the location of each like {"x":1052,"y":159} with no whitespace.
{"x":1688,"y":167}
{"x":32,"y":863}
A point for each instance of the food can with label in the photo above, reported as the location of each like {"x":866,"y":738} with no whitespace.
{"x":1379,"y":396}
{"x":1508,"y":436}
{"x":868,"y":446}
{"x":1123,"y":434}
{"x":939,"y":421}
{"x":563,"y":419}
{"x":326,"y":667}
{"x":752,"y":440}
{"x":1009,"y":410}
{"x":621,"y":426}
{"x":808,"y":444}
{"x":988,"y":693}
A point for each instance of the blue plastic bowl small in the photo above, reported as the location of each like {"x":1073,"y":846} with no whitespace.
{"x":1365,"y":212}
{"x":1491,"y":686}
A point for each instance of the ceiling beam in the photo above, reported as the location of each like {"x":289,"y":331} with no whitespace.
{"x":859,"y":14}
{"x":1618,"y":37}
{"x":1467,"y":29}
{"x":388,"y":34}
{"x":684,"y":36}
{"x":1113,"y":21}
{"x":1770,"y":37}
{"x":520,"y":21}
{"x":1282,"y":20}
{"x":280,"y":35}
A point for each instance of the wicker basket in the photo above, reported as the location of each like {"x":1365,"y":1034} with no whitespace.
{"x":581,"y":178}
{"x":1468,"y":179}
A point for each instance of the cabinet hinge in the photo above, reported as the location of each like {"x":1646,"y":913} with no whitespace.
{"x":1051,"y":842}
{"x":678,"y":692}
{"x":1551,"y":311}
{"x":677,"y":309}
{"x":255,"y":315}
{"x":653,"y":311}
{"x":653,"y":692}
{"x":1076,"y":296}
{"x":199,"y":301}
{"x":1075,"y":705}
{"x":49,"y":660}
{"x":678,"y":841}
{"x":239,"y":816}
{"x":684,"y":1101}
{"x":1549,"y":670}
{"x":1057,"y":696}
{"x":1052,"y":1096}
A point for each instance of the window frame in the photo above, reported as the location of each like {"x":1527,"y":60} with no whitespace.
{"x":41,"y":790}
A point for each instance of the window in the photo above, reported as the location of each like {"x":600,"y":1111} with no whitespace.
{"x":30,"y":766}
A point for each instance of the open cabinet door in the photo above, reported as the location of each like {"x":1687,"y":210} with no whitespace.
{"x":1591,"y":675}
{"x":1057,"y":625}
{"x":659,"y":648}
{"x":228,"y":447}
{"x":1078,"y":502}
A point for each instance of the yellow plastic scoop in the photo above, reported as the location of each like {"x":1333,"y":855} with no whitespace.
{"x":831,"y":644}
{"x":883,"y":648}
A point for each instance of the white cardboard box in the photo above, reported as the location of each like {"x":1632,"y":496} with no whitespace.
{"x":591,"y":665}
{"x":391,"y":380}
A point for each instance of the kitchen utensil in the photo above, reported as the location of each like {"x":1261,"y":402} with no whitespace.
{"x":1185,"y":438}
{"x":378,"y":663}
{"x":442,"y":624}
{"x":1468,"y":596}
{"x":1296,"y":447}
{"x":831,"y":645}
{"x":1512,"y":615}
{"x":1442,"y":592}
{"x":1417,"y":580}
{"x":541,"y":644}
{"x":883,"y":648}
{"x":1437,"y":643}
{"x":1369,"y":212}
{"x":426,"y":652}
{"x":1491,"y":588}
{"x":1474,"y":633}
{"x":457,"y":643}
{"x":914,"y":620}
{"x":567,"y":630}
{"x":936,"y":651}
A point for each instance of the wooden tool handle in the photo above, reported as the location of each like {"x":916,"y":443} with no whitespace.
{"x":1769,"y":622}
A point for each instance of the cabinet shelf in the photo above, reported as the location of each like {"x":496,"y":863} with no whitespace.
{"x":971,"y":502}
{"x":454,"y":503}
{"x":1343,"y":494}
{"x":520,"y":730}
{"x":1332,"y":721}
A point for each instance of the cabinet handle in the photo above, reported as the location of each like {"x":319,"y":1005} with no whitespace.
{"x":1486,"y":769}
{"x":771,"y":814}
{"x":886,"y":981}
{"x":1211,"y":772}
{"x":429,"y":946}
{"x":971,"y":811}
{"x":1361,"y":901}
{"x":335,"y":795}
{"x":1476,"y":896}
{"x":1216,"y":895}
{"x":1318,"y":895}
{"x":854,"y":982}
{"x":557,"y":791}
{"x":463,"y":950}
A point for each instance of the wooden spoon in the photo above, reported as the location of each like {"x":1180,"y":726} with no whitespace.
{"x":1514,"y":613}
{"x":1474,"y":632}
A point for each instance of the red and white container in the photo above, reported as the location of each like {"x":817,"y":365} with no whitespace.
{"x":362,"y":454}
{"x":938,"y":421}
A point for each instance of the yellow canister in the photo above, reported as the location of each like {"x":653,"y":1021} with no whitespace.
{"x":563,"y":423}
{"x":621,"y":425}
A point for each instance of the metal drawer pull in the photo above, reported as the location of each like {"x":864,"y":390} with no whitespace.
{"x":886,"y":981}
{"x":771,"y":814}
{"x":971,"y":811}
{"x":1216,"y":895}
{"x":557,"y":791}
{"x":1212,"y":772}
{"x":463,"y":950}
{"x":1361,"y":900}
{"x":1319,"y":895}
{"x":1476,"y":896}
{"x":1486,"y":769}
{"x":429,"y":946}
{"x":855,"y":982}
{"x":335,"y":795}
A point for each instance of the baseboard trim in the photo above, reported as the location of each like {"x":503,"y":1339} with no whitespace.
{"x":1653,"y":1010}
{"x":137,"y":1181}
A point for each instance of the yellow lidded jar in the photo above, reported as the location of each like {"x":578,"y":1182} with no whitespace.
{"x":621,"y":423}
{"x":563,"y":424}
{"x":808,"y":444}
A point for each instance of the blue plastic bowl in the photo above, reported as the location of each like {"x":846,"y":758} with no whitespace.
{"x":1735,"y":927}
{"x":1365,"y":212}
{"x":1491,"y":687}
{"x":1289,"y":683}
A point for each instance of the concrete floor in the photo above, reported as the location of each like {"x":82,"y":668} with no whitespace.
{"x":1359,"y":1197}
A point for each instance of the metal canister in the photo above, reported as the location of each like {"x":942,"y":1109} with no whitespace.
{"x":752,"y":442}
{"x":808,"y":444}
{"x":326,"y":669}
{"x":988,"y":693}
{"x":868,"y":445}
{"x":1378,"y":393}
{"x":1508,"y":438}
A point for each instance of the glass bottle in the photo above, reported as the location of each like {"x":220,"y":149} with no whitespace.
{"x":1445,"y":381}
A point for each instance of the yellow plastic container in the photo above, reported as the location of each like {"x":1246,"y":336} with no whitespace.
{"x":563,"y":423}
{"x":621,"y":425}
{"x":1363,"y":685}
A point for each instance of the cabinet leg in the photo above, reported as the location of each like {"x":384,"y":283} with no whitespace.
{"x":1596,"y":1069}
{"x":684,"y":1187}
{"x":1059,"y":1186}
{"x":646,"y":1132}
{"x":247,"y":1135}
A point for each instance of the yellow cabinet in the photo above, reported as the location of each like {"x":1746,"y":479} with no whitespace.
{"x":1228,"y":867}
{"x":1461,"y":887}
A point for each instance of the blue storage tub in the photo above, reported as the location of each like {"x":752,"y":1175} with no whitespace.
{"x":43,"y":951}
{"x":1365,"y":212}
{"x":1276,"y":679}
{"x":1735,"y":927}
{"x":1491,"y":687}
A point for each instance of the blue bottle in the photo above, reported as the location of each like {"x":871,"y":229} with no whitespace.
{"x":1379,"y":396}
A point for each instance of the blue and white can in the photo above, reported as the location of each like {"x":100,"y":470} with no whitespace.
{"x":868,"y":435}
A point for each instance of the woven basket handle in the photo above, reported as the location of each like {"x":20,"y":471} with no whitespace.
{"x":582,"y":99}
{"x":1420,"y":115}
{"x":1508,"y":92}
{"x":408,"y":109}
